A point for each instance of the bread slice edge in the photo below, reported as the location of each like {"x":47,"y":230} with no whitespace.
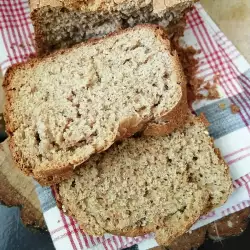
{"x":169,"y":121}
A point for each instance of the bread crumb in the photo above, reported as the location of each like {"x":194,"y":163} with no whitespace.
{"x":216,"y":78}
{"x":194,"y":84}
{"x":213,"y":93}
{"x":21,"y":45}
{"x":234,"y":109}
{"x":230,"y":224}
{"x":222,"y":106}
{"x":190,"y":67}
{"x":204,"y":120}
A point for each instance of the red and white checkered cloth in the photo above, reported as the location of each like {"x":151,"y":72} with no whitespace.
{"x":231,"y":131}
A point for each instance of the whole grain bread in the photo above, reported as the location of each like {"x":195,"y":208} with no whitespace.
{"x":63,"y":108}
{"x":149,"y":184}
{"x":60,"y":24}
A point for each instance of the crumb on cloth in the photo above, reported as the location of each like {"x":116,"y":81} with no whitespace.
{"x":213,"y":93}
{"x":222,"y":106}
{"x":195,"y":84}
{"x":234,"y":109}
{"x":197,"y":88}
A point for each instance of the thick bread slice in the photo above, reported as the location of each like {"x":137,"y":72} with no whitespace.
{"x":148,"y":184}
{"x":63,"y":108}
{"x":16,"y":189}
{"x":60,"y":24}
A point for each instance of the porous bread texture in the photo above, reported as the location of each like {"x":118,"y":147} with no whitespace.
{"x":63,"y":108}
{"x":148,"y":184}
{"x":60,"y":24}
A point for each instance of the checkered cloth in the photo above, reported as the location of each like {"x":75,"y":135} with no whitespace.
{"x":231,"y":131}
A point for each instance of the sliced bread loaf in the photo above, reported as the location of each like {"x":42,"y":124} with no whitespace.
{"x":60,"y":24}
{"x":63,"y":108}
{"x":149,"y":184}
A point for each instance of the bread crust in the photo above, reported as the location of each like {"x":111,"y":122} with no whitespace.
{"x":177,"y":116}
{"x":94,"y":6}
{"x":132,"y":232}
{"x":9,"y":196}
{"x":127,"y":128}
{"x":12,"y":194}
{"x":139,"y":231}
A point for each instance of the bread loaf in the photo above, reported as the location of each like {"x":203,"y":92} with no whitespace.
{"x":149,"y":184}
{"x":60,"y":24}
{"x":63,"y":108}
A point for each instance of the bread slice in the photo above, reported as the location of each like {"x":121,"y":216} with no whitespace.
{"x":16,"y":189}
{"x":60,"y":24}
{"x":63,"y":108}
{"x":148,"y":184}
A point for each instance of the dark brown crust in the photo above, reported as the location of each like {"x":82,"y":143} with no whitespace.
{"x":190,"y":240}
{"x":55,"y":191}
{"x":231,"y":225}
{"x":177,"y":116}
{"x":204,"y":120}
{"x":48,"y":177}
{"x":41,"y":47}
